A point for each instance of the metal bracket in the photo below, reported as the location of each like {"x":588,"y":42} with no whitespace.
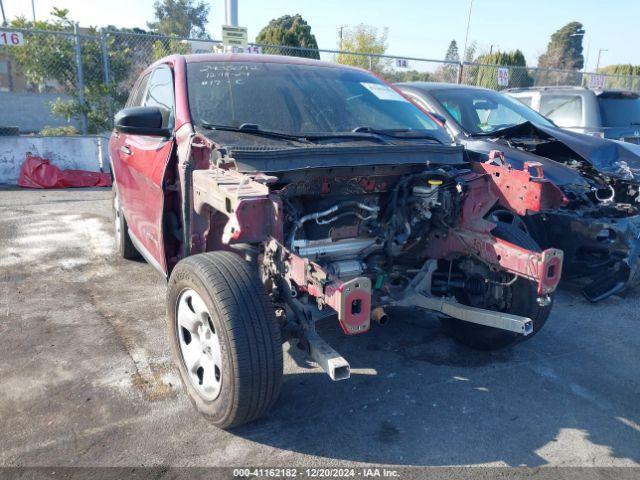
{"x":320,"y":351}
{"x":488,"y":318}
{"x":329,"y":360}
{"x":418,"y":295}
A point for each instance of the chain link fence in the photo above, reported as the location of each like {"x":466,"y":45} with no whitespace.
{"x":62,"y":82}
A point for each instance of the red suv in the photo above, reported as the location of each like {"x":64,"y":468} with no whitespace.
{"x":275,"y":192}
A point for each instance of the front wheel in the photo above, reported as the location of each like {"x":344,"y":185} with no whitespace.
{"x":225,"y":338}
{"x":518,"y":298}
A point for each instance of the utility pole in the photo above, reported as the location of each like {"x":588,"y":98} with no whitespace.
{"x":231,"y":12}
{"x":340,"y":29}
{"x":4,"y":19}
{"x":33,"y":10}
{"x":466,"y":36}
{"x":466,"y":41}
{"x":599,"y":53}
{"x":586,"y":57}
{"x":80,"y":76}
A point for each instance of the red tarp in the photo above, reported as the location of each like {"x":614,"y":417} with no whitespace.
{"x":37,"y":172}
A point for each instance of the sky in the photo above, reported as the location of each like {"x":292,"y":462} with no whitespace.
{"x":416,"y":28}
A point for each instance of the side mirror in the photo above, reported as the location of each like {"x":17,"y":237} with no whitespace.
{"x":438,"y":117}
{"x":141,"y":121}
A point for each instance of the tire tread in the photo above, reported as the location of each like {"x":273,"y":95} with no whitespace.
{"x":249,"y":319}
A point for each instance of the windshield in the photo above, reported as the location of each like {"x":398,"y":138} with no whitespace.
{"x":485,"y":111}
{"x":619,"y":110}
{"x":299,"y":99}
{"x":565,"y":110}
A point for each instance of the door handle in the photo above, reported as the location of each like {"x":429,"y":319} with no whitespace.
{"x":126,"y":150}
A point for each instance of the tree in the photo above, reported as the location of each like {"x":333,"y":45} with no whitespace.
{"x":169,"y":46}
{"x":470,"y":52}
{"x":395,"y":76}
{"x":622,"y":76}
{"x":452,"y":52}
{"x":182,"y":18}
{"x":48,"y":62}
{"x":448,"y":72}
{"x":364,"y":39}
{"x":487,"y":75}
{"x":289,"y":31}
{"x":564,"y":50}
{"x":620,"y":69}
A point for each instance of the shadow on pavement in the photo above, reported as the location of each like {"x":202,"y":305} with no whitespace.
{"x":417,"y":398}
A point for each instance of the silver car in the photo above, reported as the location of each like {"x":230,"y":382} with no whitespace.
{"x":613,"y":114}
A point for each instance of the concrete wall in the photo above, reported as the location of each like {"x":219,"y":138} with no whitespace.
{"x":73,"y":152}
{"x":31,"y":112}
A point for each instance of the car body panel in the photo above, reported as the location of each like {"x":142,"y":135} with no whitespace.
{"x":581,"y":234}
{"x":139,"y":163}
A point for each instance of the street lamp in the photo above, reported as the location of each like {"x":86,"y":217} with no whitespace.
{"x":598,"y":62}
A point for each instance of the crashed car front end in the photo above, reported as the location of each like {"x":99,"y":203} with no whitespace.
{"x":605,"y":251}
{"x":600,"y":179}
{"x":599,"y":227}
{"x":354,"y":241}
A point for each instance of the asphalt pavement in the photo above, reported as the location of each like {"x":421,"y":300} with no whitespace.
{"x":86,"y":376}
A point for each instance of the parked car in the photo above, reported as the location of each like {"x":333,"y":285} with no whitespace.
{"x":613,"y":114}
{"x":273,"y":192}
{"x":599,"y":228}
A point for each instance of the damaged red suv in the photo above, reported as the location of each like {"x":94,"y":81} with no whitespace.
{"x":274,"y":192}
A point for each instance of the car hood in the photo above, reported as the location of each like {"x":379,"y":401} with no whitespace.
{"x":606,"y":156}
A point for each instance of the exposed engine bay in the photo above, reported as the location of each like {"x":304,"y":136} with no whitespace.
{"x":350,"y":225}
{"x":352,"y":241}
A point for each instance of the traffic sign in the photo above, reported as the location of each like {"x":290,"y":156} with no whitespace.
{"x":234,"y":36}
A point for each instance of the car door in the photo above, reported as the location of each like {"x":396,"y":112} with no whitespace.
{"x":118,"y":168}
{"x":143,"y":161}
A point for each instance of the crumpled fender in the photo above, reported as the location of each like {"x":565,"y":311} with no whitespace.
{"x":521,"y":191}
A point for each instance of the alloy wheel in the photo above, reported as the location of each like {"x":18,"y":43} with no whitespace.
{"x":199,"y":345}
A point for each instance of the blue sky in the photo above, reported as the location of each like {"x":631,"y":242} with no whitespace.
{"x":417,"y":28}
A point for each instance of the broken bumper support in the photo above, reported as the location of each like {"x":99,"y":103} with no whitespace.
{"x":488,"y":318}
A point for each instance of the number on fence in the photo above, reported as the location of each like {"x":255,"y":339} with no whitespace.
{"x":14,"y":39}
{"x":503,"y":77}
{"x":596,"y":81}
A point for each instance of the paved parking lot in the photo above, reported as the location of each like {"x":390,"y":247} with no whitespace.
{"x":86,"y":375}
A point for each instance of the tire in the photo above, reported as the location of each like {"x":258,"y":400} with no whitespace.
{"x":524,"y":303}
{"x":124,"y":245}
{"x":243,"y":378}
{"x":533,"y":225}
